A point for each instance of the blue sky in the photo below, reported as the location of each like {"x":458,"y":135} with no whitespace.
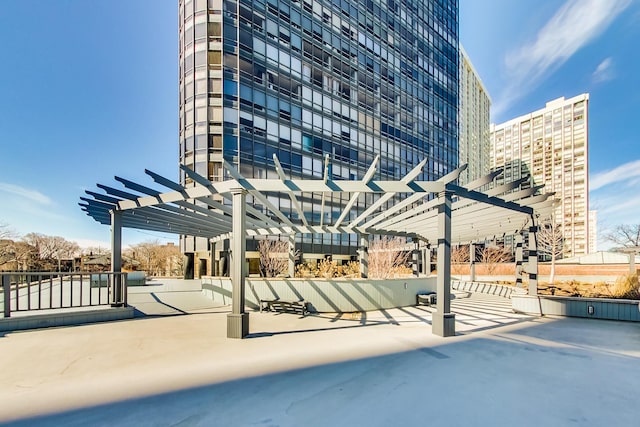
{"x":89,"y":90}
{"x":528,"y":52}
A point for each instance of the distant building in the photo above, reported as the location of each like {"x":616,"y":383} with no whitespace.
{"x":473,"y":122}
{"x":551,"y":145}
{"x":593,"y":232}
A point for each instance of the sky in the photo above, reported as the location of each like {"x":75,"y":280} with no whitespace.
{"x":529,"y":52}
{"x":88,"y":90}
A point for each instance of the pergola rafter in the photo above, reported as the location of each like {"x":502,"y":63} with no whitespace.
{"x":437,"y":212}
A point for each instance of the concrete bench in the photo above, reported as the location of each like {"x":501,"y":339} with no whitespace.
{"x":428,"y":298}
{"x":298,"y":307}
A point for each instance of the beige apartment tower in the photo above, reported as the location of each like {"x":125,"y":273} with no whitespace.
{"x":551,"y":145}
{"x":473,"y":122}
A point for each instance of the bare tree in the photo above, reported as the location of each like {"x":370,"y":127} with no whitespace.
{"x":551,"y":242}
{"x":25,"y":256}
{"x":7,"y":252}
{"x":7,"y":233}
{"x":625,"y":235}
{"x":274,"y":257}
{"x":51,"y":248}
{"x":157,"y":259}
{"x":386,"y":256}
{"x":176,"y":263}
{"x":459,"y":256}
{"x":7,"y":244}
{"x":96,"y":250}
{"x":492,"y":255}
{"x":147,"y":254}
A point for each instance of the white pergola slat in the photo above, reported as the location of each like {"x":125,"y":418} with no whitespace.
{"x":192,"y":210}
{"x":437,"y":212}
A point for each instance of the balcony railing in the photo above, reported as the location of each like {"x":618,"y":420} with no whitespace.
{"x":33,"y":291}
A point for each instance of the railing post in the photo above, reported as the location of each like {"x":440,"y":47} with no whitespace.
{"x":6,"y":289}
{"x":116,"y":257}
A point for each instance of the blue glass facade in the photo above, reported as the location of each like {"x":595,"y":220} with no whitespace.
{"x":303,"y":79}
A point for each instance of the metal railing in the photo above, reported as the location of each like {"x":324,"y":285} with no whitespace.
{"x":32,"y":291}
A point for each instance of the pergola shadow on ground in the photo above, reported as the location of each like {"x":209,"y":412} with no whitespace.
{"x":322,"y":370}
{"x":437,"y":213}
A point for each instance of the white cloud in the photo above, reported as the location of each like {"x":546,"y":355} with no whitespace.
{"x":576,"y":23}
{"x":615,"y":194}
{"x":625,"y":172}
{"x":603,"y":72}
{"x":26,"y":193}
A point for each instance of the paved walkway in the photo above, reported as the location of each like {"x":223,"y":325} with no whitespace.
{"x":379,"y":369}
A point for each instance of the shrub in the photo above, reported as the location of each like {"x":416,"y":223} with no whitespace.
{"x":626,"y":287}
{"x":328,"y":269}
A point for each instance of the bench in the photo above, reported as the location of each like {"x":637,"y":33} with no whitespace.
{"x":299,"y":307}
{"x":428,"y":298}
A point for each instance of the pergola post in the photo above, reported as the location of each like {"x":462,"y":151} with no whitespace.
{"x":443,"y":323}
{"x":632,"y":262}
{"x":214,"y":261}
{"x":472,"y":262}
{"x":116,"y":257}
{"x":533,"y":261}
{"x":519,"y":259}
{"x":363,"y":253}
{"x":238,"y":320}
{"x":292,"y":255}
{"x":426,"y":260}
{"x":415,"y":259}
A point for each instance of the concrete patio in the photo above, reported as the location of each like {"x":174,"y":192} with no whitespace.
{"x":379,"y":368}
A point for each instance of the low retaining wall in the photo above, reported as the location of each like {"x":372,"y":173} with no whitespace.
{"x":609,"y":309}
{"x":485,"y":288}
{"x":326,"y":295}
{"x":65,"y":317}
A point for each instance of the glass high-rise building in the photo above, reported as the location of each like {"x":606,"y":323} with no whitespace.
{"x":303,"y":79}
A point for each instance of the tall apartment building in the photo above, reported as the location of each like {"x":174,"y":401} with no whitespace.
{"x":551,"y":145}
{"x":593,"y":231}
{"x":302,"y":79}
{"x":473,"y":122}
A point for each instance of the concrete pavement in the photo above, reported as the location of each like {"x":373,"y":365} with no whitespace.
{"x":380,"y":368}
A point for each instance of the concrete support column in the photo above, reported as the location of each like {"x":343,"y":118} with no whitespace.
{"x":214,"y":261}
{"x":363,"y":255}
{"x":238,"y":320}
{"x":292,"y":255}
{"x":189,"y":265}
{"x":472,"y":262}
{"x":519,"y":259}
{"x":443,"y":323}
{"x":533,"y":261}
{"x":426,"y":261}
{"x":116,"y":257}
{"x":202,"y":267}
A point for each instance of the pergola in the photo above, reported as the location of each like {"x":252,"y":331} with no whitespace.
{"x":436,"y":212}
